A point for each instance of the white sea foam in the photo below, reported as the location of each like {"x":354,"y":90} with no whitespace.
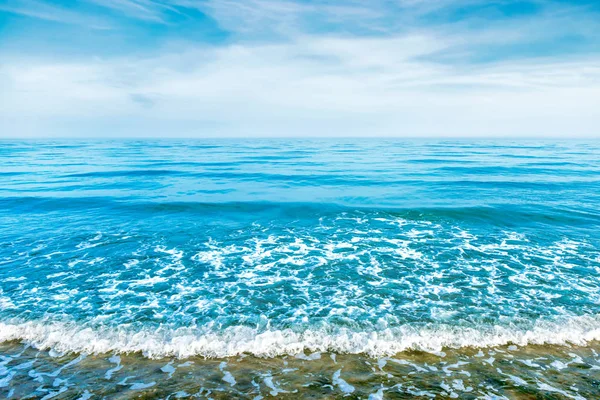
{"x":186,"y":342}
{"x":115,"y":360}
{"x":227,"y":376}
{"x":342,"y":384}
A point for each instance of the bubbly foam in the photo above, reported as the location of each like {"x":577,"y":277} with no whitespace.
{"x":236,"y":340}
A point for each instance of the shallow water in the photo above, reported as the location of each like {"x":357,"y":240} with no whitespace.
{"x":399,"y":258}
{"x":492,"y":373}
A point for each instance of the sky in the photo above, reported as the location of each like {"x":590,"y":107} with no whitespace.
{"x":299,"y":68}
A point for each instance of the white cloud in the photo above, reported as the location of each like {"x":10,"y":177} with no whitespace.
{"x":283,"y":73}
{"x":314,"y":85}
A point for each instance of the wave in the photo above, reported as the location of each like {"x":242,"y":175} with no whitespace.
{"x":68,"y":337}
{"x":490,"y":212}
{"x":125,"y":173}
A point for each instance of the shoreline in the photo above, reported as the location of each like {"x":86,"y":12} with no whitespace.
{"x":508,"y":371}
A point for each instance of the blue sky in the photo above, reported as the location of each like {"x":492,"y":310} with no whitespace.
{"x":212,"y":68}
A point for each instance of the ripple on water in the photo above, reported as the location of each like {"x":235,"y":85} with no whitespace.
{"x":372,"y":269}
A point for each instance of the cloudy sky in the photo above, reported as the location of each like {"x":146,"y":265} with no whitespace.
{"x":206,"y":68}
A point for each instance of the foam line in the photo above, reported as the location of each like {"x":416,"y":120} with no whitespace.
{"x":186,"y":342}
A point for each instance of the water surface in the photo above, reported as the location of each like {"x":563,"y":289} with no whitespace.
{"x":323,"y":268}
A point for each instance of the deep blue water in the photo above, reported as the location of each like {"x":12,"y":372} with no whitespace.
{"x":268,"y":247}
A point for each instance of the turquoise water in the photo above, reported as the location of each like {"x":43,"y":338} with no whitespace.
{"x":278,"y":248}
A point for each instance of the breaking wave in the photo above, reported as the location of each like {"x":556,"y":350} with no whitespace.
{"x":67,"y":337}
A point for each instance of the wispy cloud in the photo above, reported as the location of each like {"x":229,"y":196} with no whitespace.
{"x":49,"y":12}
{"x":405,"y":68}
{"x":148,"y":10}
{"x":314,"y":86}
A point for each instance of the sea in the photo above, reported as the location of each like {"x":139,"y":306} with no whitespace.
{"x":300,"y":268}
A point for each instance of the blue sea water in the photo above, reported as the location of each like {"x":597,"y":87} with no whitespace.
{"x":274,"y":247}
